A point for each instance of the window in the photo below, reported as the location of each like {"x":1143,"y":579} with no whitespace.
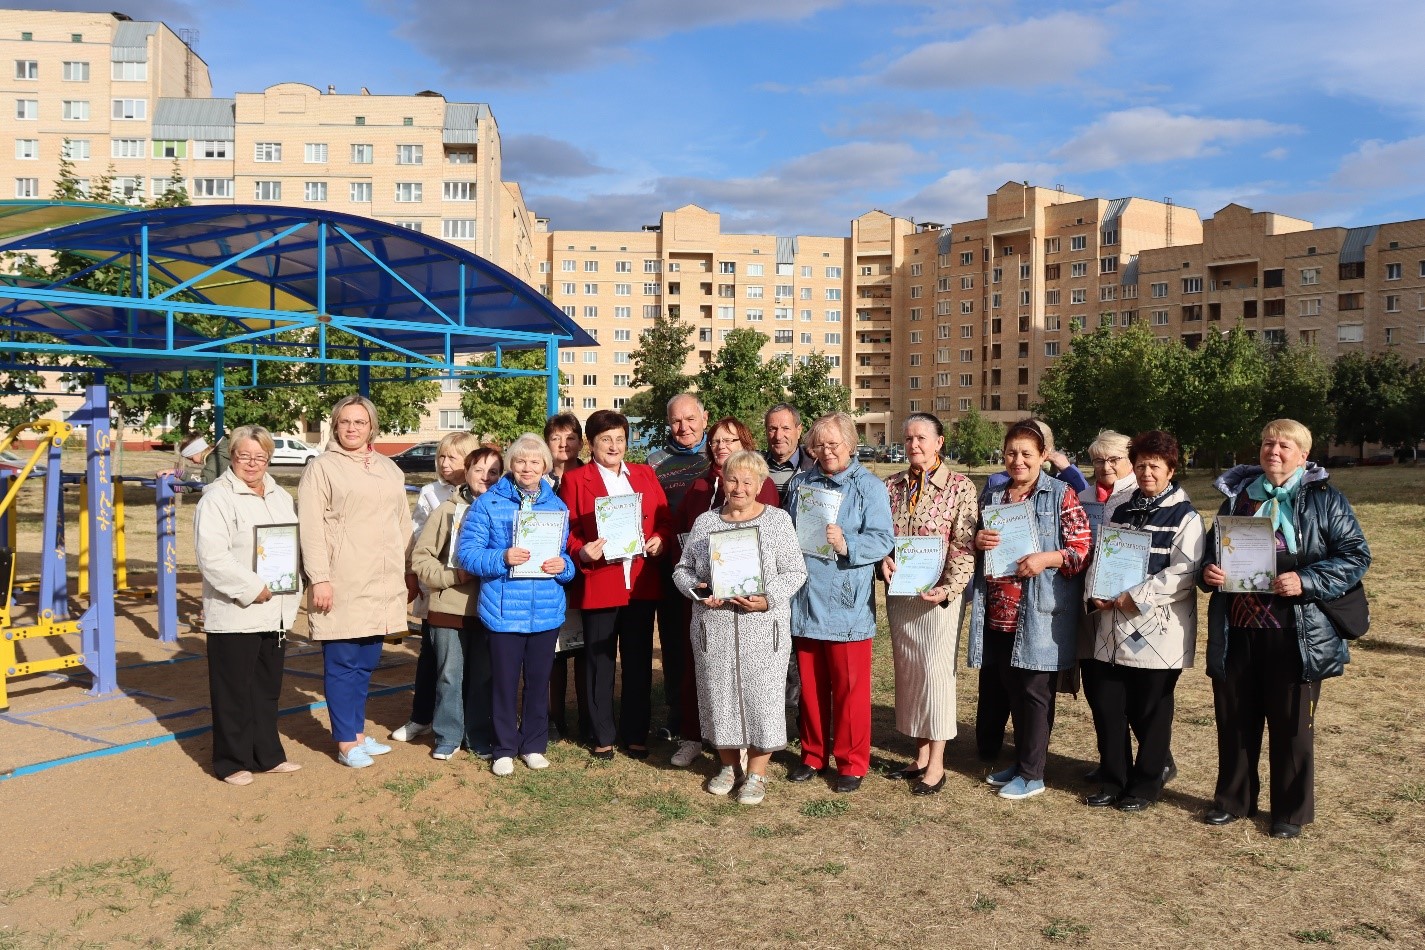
{"x":75,"y":72}
{"x":1310,"y":306}
{"x":1392,"y":271}
{"x":458,"y":191}
{"x":130,"y":109}
{"x":997,"y":275}
{"x":127,"y":148}
{"x":27,"y":109}
{"x":409,"y":191}
{"x":1078,"y":296}
{"x":1312,"y":275}
{"x":212,"y":188}
{"x":314,"y":191}
{"x":652,"y":289}
{"x":458,"y":229}
{"x":568,"y":265}
{"x":832,"y":339}
{"x":361,"y":192}
{"x":1192,"y":285}
{"x":650,"y":311}
{"x":1051,"y":322}
{"x":1051,"y":298}
{"x":995,"y":300}
{"x":1110,"y":236}
{"x":267,"y":190}
{"x":212,"y":149}
{"x":623,"y":290}
{"x":591,"y":356}
{"x":1051,"y":348}
{"x":129,"y":72}
{"x":1160,"y":318}
{"x":726,"y":267}
{"x":1351,"y":333}
{"x":832,"y":316}
{"x":967,"y":356}
{"x":754,"y":291}
{"x":1159,"y":289}
{"x":591,"y":290}
{"x":27,"y":148}
{"x":1080,"y":269}
{"x":622,"y":313}
{"x":267,"y":152}
{"x":27,"y":187}
{"x":1392,"y":303}
{"x":967,"y":258}
{"x":833,"y":273}
{"x":590,"y":379}
{"x":833,"y":293}
{"x":1024,"y":298}
{"x":129,"y":188}
{"x":410,"y":155}
{"x":1351,"y":302}
{"x":754,"y":315}
{"x":1108,"y":265}
{"x":1078,"y":242}
{"x":1108,"y":292}
{"x":783,"y":290}
{"x":782,"y":336}
{"x":591,"y":267}
{"x":27,"y":69}
{"x":452,"y":419}
{"x":75,"y":149}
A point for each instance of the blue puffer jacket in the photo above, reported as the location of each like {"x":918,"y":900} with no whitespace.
{"x":507,"y":604}
{"x":1332,"y":555}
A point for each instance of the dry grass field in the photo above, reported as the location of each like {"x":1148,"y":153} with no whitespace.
{"x":146,"y":849}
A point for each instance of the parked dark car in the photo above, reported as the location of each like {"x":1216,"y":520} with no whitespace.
{"x":865,"y":453}
{"x":1380,"y":458}
{"x":1341,"y":461}
{"x":418,"y":459}
{"x":895,"y":454}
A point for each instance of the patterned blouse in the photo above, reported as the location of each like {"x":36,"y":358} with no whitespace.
{"x":945,"y":506}
{"x":1005,"y":593}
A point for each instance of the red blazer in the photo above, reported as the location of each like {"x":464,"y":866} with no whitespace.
{"x":603,"y":580}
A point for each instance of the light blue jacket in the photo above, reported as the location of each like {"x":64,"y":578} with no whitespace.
{"x":837,"y":601}
{"x":1049,"y":613}
{"x":509,"y":604}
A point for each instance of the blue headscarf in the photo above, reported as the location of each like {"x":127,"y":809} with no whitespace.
{"x":1278,"y":504}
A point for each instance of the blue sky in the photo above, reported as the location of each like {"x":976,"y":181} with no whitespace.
{"x":793,"y":116}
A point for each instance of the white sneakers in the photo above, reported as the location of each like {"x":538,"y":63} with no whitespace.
{"x":410,"y":730}
{"x":504,"y":765}
{"x":687,"y":754}
{"x":535,"y":761}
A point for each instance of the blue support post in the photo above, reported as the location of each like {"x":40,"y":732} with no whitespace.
{"x":551,"y":367}
{"x":54,"y":585}
{"x":96,"y":627}
{"x":220,"y":403}
{"x":167,"y":558}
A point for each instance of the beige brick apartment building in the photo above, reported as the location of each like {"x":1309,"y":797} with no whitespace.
{"x":915,"y":316}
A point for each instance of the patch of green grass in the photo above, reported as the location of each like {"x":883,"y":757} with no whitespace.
{"x":548,"y":943}
{"x":829,"y":868}
{"x":1368,"y":931}
{"x":190,"y":920}
{"x":826,"y":808}
{"x":299,"y":861}
{"x":983,"y":903}
{"x":1196,"y":720}
{"x":668,"y":805}
{"x":1064,"y":930}
{"x":775,"y":831}
{"x":110,"y":880}
{"x":1023,"y":872}
{"x":407,"y":785}
{"x":1318,"y":935}
{"x":1412,"y":792}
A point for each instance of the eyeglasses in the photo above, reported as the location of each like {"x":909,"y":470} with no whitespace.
{"x":246,"y":459}
{"x":1113,"y":461}
{"x":725,"y":442}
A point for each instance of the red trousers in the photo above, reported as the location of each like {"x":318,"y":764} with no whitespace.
{"x":836,"y":687}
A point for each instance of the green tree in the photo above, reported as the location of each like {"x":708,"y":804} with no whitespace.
{"x":813,"y":389}
{"x":1371,"y":398}
{"x":175,"y":195}
{"x":737,"y":382}
{"x":1296,"y":386}
{"x":974,"y":438}
{"x":506,"y":406}
{"x":1218,"y":402}
{"x":658,"y":371}
{"x":67,"y":186}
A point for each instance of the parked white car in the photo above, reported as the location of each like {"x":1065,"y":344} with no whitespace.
{"x":289,"y":451}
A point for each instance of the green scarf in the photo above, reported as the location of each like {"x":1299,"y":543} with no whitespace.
{"x":1278,"y":504}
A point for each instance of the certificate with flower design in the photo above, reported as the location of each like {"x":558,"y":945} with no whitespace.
{"x":541,"y":533}
{"x":1018,"y":536}
{"x":920,"y":560}
{"x":1120,"y":561}
{"x":277,"y":557}
{"x":619,"y":521}
{"x":1247,"y":553}
{"x":816,"y":509}
{"x":735,"y":559}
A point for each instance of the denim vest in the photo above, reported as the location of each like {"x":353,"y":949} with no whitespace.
{"x":1048,"y":631}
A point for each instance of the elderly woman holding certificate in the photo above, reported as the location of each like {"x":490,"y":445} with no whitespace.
{"x":933,"y":512}
{"x":1028,"y":599}
{"x":1144,"y":623}
{"x":513,"y":540}
{"x":618,"y":519}
{"x":741,"y":564}
{"x":1269,"y":645}
{"x":245,"y":531}
{"x":843,"y":520}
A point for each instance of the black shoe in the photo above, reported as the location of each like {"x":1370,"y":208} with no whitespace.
{"x":801,"y":772}
{"x":909,"y":772}
{"x":1101,"y":799}
{"x":636,"y":753}
{"x":847,"y":783}
{"x":1170,"y":772}
{"x":1092,"y":777}
{"x":920,"y":788}
{"x":1219,"y":817}
{"x":1133,"y":803}
{"x":606,"y":755}
{"x":1285,"y":829}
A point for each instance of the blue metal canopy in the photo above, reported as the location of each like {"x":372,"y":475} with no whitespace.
{"x":278,"y":279}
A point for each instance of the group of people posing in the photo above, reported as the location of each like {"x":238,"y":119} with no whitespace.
{"x":501,"y":625}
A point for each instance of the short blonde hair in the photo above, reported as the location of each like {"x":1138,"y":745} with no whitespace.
{"x":456,"y":443}
{"x":363,"y":402}
{"x":746,"y":462}
{"x":257,"y":434}
{"x":528,"y":444}
{"x":842,"y":421}
{"x":1109,"y":443}
{"x":1289,"y":429}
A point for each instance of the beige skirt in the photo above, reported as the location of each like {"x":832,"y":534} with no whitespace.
{"x":925,"y":640}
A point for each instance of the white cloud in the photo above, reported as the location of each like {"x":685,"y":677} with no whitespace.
{"x":541,"y":158}
{"x":877,"y":122}
{"x":1383,"y":166}
{"x":959,"y":194}
{"x":1030,"y":53}
{"x":497,"y":42}
{"x":1149,"y":134}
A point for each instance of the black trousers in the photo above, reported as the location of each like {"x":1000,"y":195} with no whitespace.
{"x":673,"y":615}
{"x":1030,"y":694}
{"x":991,"y":714}
{"x":244,"y":685}
{"x":1124,"y":698}
{"x":620,"y":637}
{"x":1263,"y":686}
{"x":559,"y":689}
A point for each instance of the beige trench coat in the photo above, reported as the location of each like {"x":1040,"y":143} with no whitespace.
{"x":355,"y":526}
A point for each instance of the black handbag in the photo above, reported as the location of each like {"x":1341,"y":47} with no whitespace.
{"x":1350,"y":613}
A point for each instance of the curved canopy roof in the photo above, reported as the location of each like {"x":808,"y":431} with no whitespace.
{"x":274,"y":276}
